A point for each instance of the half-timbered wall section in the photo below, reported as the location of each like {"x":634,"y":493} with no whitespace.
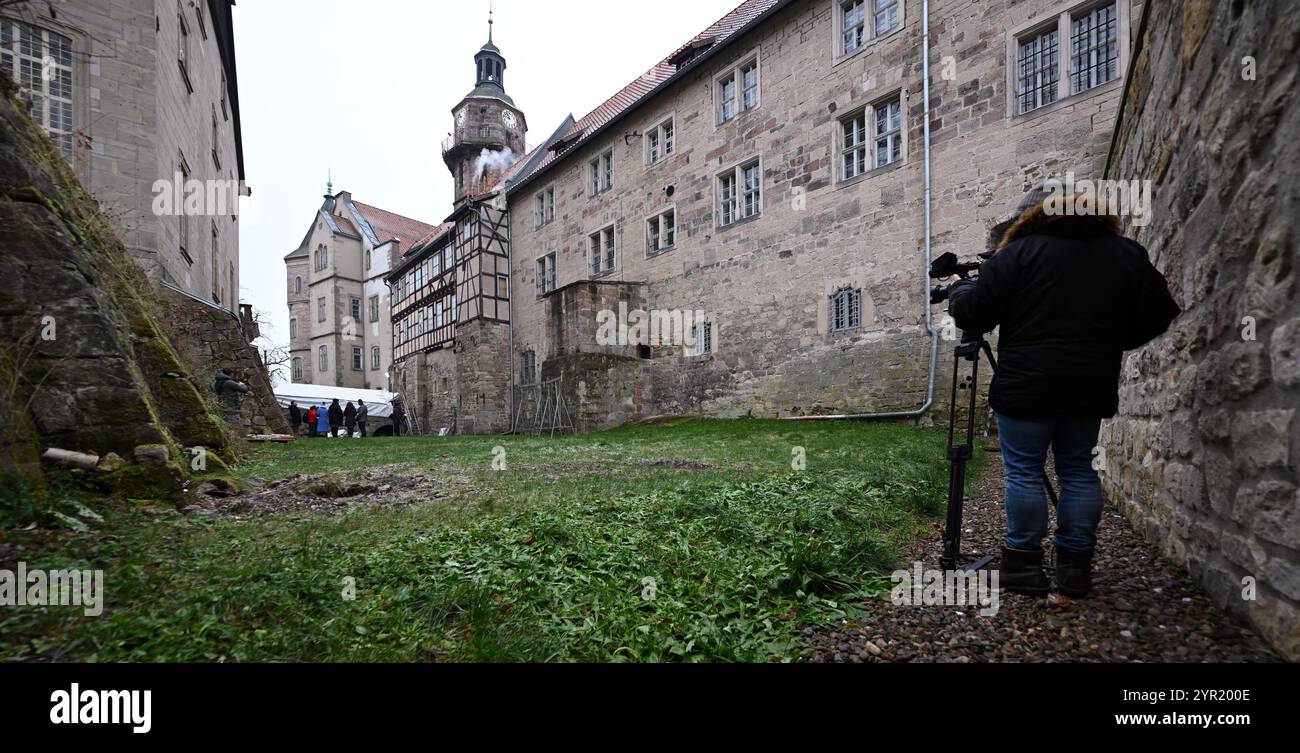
{"x":425,"y":303}
{"x":484,"y":257}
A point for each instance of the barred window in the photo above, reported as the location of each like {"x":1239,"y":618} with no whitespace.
{"x":297,"y":370}
{"x":602,"y":251}
{"x":546,"y":274}
{"x":846,"y":310}
{"x":737,"y":90}
{"x":544,"y":212}
{"x":661,"y":232}
{"x":602,"y":173}
{"x":660,"y":142}
{"x":1038,"y":71}
{"x":41,"y":62}
{"x":1094,"y":48}
{"x":702,"y":339}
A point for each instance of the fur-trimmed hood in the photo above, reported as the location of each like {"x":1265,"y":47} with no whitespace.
{"x":1070,"y":217}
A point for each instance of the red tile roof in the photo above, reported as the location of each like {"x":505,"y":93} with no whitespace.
{"x":389,"y":226}
{"x":719,"y":33}
{"x":427,"y":239}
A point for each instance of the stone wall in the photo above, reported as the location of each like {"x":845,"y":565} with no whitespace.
{"x":212,"y":339}
{"x":766,"y":283}
{"x":87,"y":364}
{"x":1203,"y":457}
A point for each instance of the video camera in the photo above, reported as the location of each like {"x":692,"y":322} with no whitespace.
{"x":949,"y":265}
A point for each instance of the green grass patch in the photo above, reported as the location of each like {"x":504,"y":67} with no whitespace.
{"x":695,"y":542}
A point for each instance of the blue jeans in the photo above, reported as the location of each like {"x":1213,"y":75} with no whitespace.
{"x":1024,"y":453}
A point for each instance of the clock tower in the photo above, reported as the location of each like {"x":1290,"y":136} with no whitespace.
{"x":488,"y":130}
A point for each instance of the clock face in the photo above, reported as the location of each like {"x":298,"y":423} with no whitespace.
{"x":509,"y":119}
{"x":460,"y":117}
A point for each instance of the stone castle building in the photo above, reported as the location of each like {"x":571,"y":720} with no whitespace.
{"x":135,"y":92}
{"x":339,"y":313}
{"x":765,"y":185}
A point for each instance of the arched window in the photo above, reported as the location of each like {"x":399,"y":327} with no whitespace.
{"x":297,"y":286}
{"x":374,"y":358}
{"x":324,"y":358}
{"x":367,"y":260}
{"x":297,"y":370}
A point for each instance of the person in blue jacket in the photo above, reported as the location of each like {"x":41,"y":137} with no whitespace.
{"x":323,"y":420}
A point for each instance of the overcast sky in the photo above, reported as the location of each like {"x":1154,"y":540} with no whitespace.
{"x":365,"y":90}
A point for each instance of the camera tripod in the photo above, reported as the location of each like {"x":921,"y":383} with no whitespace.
{"x":973,"y":346}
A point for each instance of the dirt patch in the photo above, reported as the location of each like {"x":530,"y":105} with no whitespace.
{"x":682,"y":465}
{"x":392,"y":487}
{"x":1143,"y":609}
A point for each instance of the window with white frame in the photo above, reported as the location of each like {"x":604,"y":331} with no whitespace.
{"x":701,"y":339}
{"x":737,"y":90}
{"x":860,"y":21}
{"x":546,"y":274}
{"x":1045,"y":74}
{"x":853,"y":145}
{"x":297,"y":370}
{"x":358,"y":359}
{"x":661,"y":232}
{"x":1038,"y":70}
{"x":356,"y":310}
{"x":323,"y":356}
{"x":544,"y":210}
{"x":1094,"y":48}
{"x":740,"y":193}
{"x":374,"y":358}
{"x":374,"y":308}
{"x":846,"y":309}
{"x":601,"y":244}
{"x":40,"y":61}
{"x":601,"y":173}
{"x":888,"y":133}
{"x":660,"y":142}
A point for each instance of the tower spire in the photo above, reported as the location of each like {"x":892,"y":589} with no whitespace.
{"x":490,"y":22}
{"x":329,"y":182}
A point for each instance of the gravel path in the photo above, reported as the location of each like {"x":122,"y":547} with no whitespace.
{"x":1142,"y":610}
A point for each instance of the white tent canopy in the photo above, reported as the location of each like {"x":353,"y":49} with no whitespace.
{"x":307,"y":395}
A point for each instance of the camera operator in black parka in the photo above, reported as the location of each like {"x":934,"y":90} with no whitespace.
{"x":1071,"y":295}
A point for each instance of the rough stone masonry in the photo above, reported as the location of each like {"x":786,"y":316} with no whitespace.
{"x":1203,"y":457}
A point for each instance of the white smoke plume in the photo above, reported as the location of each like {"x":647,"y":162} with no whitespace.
{"x":497,"y":162}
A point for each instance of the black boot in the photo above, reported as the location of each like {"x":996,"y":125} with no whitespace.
{"x":1022,"y":573}
{"x":1073,"y":573}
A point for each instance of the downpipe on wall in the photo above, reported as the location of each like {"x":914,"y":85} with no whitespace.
{"x":925,"y":273}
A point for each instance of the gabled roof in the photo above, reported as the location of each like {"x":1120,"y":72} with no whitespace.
{"x":685,"y":58}
{"x":382,"y":226}
{"x":428,"y":240}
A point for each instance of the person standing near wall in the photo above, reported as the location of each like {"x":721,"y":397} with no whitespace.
{"x":295,"y":417}
{"x":363,"y":415}
{"x":323,"y":421}
{"x":350,"y":419}
{"x":1071,"y":295}
{"x":335,"y":418}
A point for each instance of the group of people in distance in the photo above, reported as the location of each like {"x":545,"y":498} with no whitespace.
{"x":328,"y":421}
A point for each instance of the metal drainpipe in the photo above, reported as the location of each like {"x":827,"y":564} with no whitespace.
{"x":925,"y":275}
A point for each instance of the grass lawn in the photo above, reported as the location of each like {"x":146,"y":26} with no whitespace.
{"x":693,"y":541}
